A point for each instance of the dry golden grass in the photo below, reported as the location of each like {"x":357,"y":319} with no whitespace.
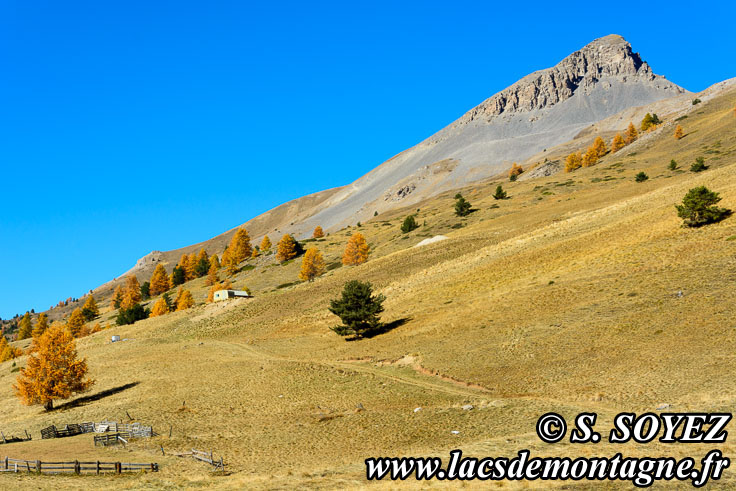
{"x":562,"y":298}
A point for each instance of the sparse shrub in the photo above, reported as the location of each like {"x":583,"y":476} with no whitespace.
{"x":673,"y":165}
{"x":641,"y":177}
{"x":358,"y":309}
{"x":696,"y":101}
{"x":462,"y":206}
{"x":409,"y":224}
{"x":698,"y":207}
{"x":500,"y":193}
{"x":698,"y":165}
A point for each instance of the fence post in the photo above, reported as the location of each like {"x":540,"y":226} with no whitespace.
{"x":6,"y":463}
{"x":118,"y":467}
{"x":98,"y":467}
{"x":76,"y":467}
{"x":38,"y":466}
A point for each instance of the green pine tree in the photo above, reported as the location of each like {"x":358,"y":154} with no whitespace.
{"x":358,"y":309}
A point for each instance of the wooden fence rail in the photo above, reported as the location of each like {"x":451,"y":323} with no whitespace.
{"x":135,"y":430}
{"x":111,"y":439}
{"x":13,"y":439}
{"x":76,"y":467}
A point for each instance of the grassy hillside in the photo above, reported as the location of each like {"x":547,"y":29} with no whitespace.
{"x":580,"y":292}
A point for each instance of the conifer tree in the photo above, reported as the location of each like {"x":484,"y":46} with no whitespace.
{"x":184,"y":300}
{"x":500,"y":193}
{"x":617,"y":143}
{"x":159,"y":280}
{"x":42,"y":323}
{"x":313,"y":265}
{"x":240,"y":249}
{"x":53,"y":370}
{"x":75,"y":323}
{"x":25,"y":330}
{"x":183,"y":264}
{"x":600,"y":147}
{"x":573,"y":161}
{"x":90,"y":309}
{"x":356,"y":250}
{"x":318,"y":232}
{"x":203,"y":264}
{"x":256,"y":252}
{"x":214,"y":259}
{"x":117,"y":297}
{"x":131,"y":293}
{"x":358,"y":309}
{"x":678,"y":132}
{"x":287,"y":248}
{"x":515,"y":171}
{"x":698,"y":207}
{"x":159,"y":308}
{"x":212,"y":278}
{"x":590,"y":157}
{"x":178,"y":276}
{"x":631,"y":134}
{"x":462,"y":206}
{"x":409,"y":224}
{"x":265,"y":244}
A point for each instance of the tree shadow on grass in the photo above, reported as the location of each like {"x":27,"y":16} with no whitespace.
{"x":382,"y":329}
{"x":81,"y":401}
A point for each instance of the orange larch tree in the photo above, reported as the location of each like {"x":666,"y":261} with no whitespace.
{"x":318,"y":232}
{"x":8,"y":352}
{"x":159,"y":308}
{"x":131,"y":292}
{"x":212,"y":278}
{"x":515,"y":171}
{"x":573,"y":161}
{"x":590,"y":157}
{"x":75,"y":323}
{"x":53,"y":370}
{"x":25,"y":328}
{"x":617,"y":143}
{"x":313,"y":265}
{"x":600,"y":147}
{"x":678,"y":132}
{"x":265,"y":244}
{"x":42,"y":323}
{"x":184,"y":300}
{"x":356,"y":251}
{"x":117,"y":297}
{"x":159,"y":280}
{"x":631,"y":134}
{"x":287,"y":248}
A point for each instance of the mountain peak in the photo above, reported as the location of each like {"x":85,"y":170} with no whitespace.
{"x":609,"y":57}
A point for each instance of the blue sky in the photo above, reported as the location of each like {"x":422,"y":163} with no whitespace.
{"x":133,"y":126}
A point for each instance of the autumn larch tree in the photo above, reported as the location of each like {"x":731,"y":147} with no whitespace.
{"x":25,"y":329}
{"x":160,"y":308}
{"x":90,"y":309}
{"x":678,"y":132}
{"x":358,"y":309}
{"x":191,"y":269}
{"x":617,"y":143}
{"x":212,"y":278}
{"x":53,"y":370}
{"x":356,"y":251}
{"x":287,"y":248}
{"x":214,"y":259}
{"x":240,"y":249}
{"x":131,"y":292}
{"x":265,"y":244}
{"x":318,"y":232}
{"x":573,"y":161}
{"x":184,"y":300}
{"x":75,"y":323}
{"x":600,"y":147}
{"x":256,"y":252}
{"x":183,"y":264}
{"x":313,"y":265}
{"x":8,"y":352}
{"x":117,"y":297}
{"x":590,"y":157}
{"x":631,"y":134}
{"x":515,"y":171}
{"x":42,"y":323}
{"x":159,"y":280}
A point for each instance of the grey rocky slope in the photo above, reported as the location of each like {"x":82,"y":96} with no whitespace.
{"x":540,"y":111}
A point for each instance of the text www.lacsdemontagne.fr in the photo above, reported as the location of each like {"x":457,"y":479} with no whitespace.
{"x":640,"y":471}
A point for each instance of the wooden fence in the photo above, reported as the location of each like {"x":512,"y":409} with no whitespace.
{"x":207,"y":457}
{"x":75,"y":467}
{"x":69,"y":430}
{"x":111,"y":439}
{"x":13,"y":439}
{"x":135,"y":430}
